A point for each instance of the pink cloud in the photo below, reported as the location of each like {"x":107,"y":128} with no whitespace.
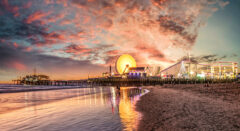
{"x":113,"y":52}
{"x":2,"y":40}
{"x":36,"y":16}
{"x":66,"y":22}
{"x":28,"y":5}
{"x":49,"y":1}
{"x":86,"y":19}
{"x":55,"y":18}
{"x":17,"y":65}
{"x":151,"y":30}
{"x":10,"y":8}
{"x":79,"y":36}
{"x":63,"y":2}
{"x":15,"y":45}
{"x":156,"y":28}
{"x":27,"y":49}
{"x":54,"y":35}
{"x":77,"y":49}
{"x":96,"y":42}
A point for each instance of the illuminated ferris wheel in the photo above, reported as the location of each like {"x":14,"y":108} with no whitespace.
{"x":124,"y":62}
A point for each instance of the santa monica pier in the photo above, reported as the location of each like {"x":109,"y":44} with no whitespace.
{"x":127,"y":73}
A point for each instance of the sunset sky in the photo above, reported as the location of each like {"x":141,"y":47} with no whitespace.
{"x":71,"y":39}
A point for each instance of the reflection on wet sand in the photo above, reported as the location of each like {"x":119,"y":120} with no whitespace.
{"x":12,"y":101}
{"x":100,"y":108}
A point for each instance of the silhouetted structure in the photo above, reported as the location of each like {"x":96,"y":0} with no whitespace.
{"x":33,"y":80}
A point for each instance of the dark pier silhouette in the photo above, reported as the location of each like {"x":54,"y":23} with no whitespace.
{"x":125,"y":82}
{"x":53,"y":82}
{"x":153,"y":81}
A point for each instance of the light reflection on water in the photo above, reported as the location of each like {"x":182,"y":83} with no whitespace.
{"x":103,"y":108}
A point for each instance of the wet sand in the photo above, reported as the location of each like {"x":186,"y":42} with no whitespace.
{"x":191,"y":107}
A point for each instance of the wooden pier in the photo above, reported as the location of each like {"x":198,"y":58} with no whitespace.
{"x":126,"y":82}
{"x":154,"y":81}
{"x":53,"y":82}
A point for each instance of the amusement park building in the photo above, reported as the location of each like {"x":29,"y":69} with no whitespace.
{"x":187,"y":69}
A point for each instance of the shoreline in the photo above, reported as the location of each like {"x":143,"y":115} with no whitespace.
{"x":190,"y":107}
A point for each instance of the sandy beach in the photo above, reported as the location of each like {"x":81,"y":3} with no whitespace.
{"x":191,"y":107}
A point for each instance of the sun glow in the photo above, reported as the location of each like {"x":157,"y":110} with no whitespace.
{"x":123,"y":62}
